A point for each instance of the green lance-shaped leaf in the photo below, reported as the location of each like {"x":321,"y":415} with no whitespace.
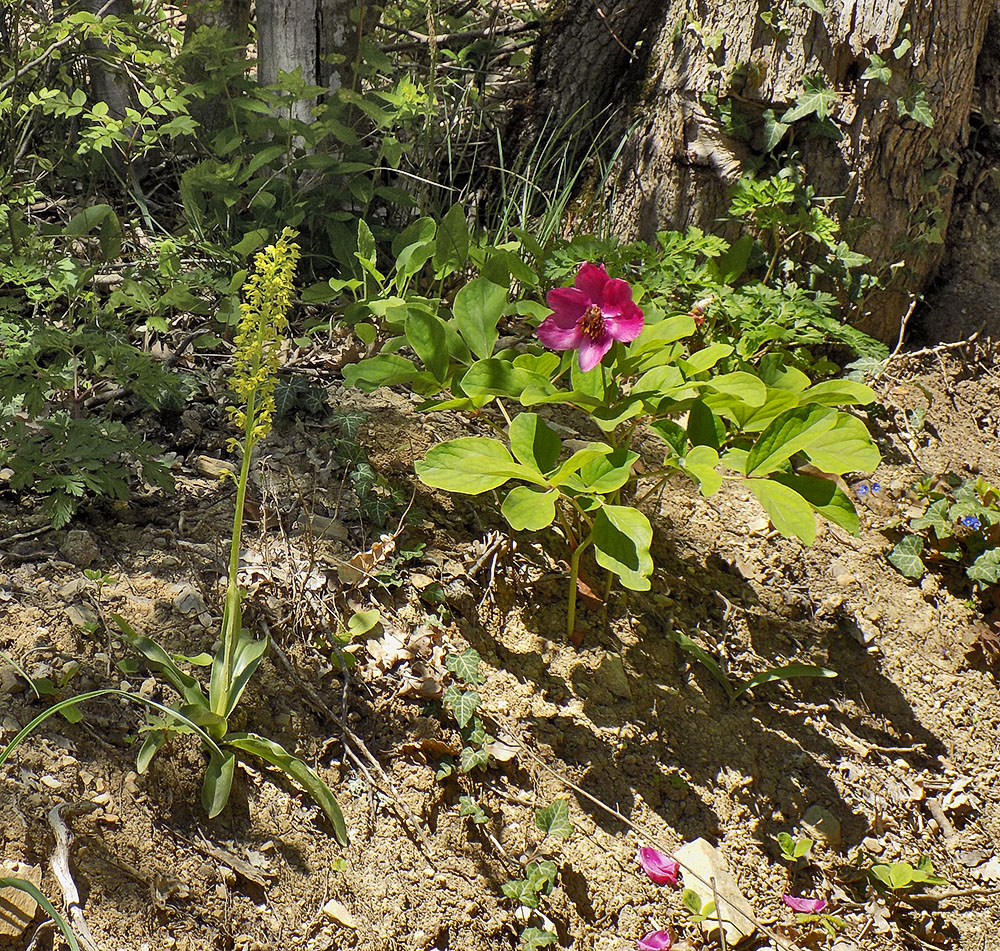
{"x":218,"y":783}
{"x":472,"y":465}
{"x":700,"y":463}
{"x":533,"y":442}
{"x":302,"y":773}
{"x":452,"y":250}
{"x":478,"y":307}
{"x":386,"y":369}
{"x":622,"y":536}
{"x":554,"y":819}
{"x":30,"y":888}
{"x":846,"y":447}
{"x":429,"y":339}
{"x":789,"y":433}
{"x":784,"y":673}
{"x":496,"y":377}
{"x":825,"y":497}
{"x":528,"y":509}
{"x":789,"y":512}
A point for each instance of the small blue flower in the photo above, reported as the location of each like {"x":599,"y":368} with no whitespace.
{"x":876,"y":488}
{"x":861,"y":490}
{"x":970,"y":521}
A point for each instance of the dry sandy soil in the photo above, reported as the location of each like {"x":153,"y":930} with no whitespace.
{"x":898,"y":755}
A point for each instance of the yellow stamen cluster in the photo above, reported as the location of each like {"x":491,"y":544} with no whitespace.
{"x":267,"y":296}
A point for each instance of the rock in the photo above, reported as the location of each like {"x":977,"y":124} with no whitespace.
{"x":338,"y":912}
{"x":72,"y":588}
{"x":187,"y":600}
{"x":823,"y":825}
{"x":79,"y":548}
{"x":611,"y":675}
{"x":319,"y":526}
{"x":17,"y":908}
{"x":701,"y":859}
{"x":83,"y":616}
{"x":11,"y":681}
{"x":214,"y":468}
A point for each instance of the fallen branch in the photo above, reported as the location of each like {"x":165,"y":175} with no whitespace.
{"x":62,"y":872}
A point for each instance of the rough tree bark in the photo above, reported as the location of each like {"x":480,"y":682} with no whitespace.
{"x":679,"y":163}
{"x":320,"y":37}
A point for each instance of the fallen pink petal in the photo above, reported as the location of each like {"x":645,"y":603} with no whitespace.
{"x":805,"y":906}
{"x":591,"y":315}
{"x":661,"y":869}
{"x":655,"y":941}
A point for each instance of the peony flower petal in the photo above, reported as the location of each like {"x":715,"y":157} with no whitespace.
{"x":592,"y":279}
{"x":616,"y":297}
{"x":805,"y":906}
{"x":627,"y":325}
{"x":661,"y":869}
{"x":568,"y":303}
{"x":556,"y":336}
{"x":655,"y":941}
{"x":592,"y":351}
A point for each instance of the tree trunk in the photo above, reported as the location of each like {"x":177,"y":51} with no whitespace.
{"x":319,"y":37}
{"x":682,"y":158}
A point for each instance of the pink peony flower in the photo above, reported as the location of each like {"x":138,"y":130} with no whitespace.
{"x":661,"y":869}
{"x":591,"y":315}
{"x":655,"y":941}
{"x":805,"y":906}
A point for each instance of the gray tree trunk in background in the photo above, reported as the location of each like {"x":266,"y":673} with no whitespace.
{"x":307,"y":35}
{"x":231,"y":20}
{"x":679,"y":163}
{"x":106,"y":85}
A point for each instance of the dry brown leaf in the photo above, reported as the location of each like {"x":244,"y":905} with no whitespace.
{"x":338,"y":912}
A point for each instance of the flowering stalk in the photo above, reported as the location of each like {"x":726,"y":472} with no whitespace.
{"x":263,"y":323}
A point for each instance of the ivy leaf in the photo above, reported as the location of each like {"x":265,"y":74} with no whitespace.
{"x":462,"y":703}
{"x":878,"y":69}
{"x":816,"y":99}
{"x":816,"y":5}
{"x":774,"y":130}
{"x":467,"y":806}
{"x":521,"y":891}
{"x":916,"y":106}
{"x":554,"y":819}
{"x":472,"y":758}
{"x":534,"y":938}
{"x":465,"y":666}
{"x":905,"y":557}
{"x":986,"y":568}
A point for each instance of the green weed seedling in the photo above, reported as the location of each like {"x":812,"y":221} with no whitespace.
{"x":268,"y":295}
{"x":794,"y":851}
{"x":959,"y":523}
{"x":696,"y":911}
{"x":899,"y":877}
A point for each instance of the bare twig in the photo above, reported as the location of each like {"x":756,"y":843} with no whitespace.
{"x":62,"y":872}
{"x":352,"y":739}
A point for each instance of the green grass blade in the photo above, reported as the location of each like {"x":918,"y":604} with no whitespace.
{"x":31,"y":889}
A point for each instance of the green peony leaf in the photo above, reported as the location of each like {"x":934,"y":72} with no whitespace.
{"x":789,"y":433}
{"x":472,"y":465}
{"x":529,"y":509}
{"x":789,"y":512}
{"x":700,"y":463}
{"x":622,"y":536}
{"x":478,"y":307}
{"x":533,"y":442}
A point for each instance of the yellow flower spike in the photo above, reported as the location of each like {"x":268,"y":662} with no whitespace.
{"x":267,"y":297}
